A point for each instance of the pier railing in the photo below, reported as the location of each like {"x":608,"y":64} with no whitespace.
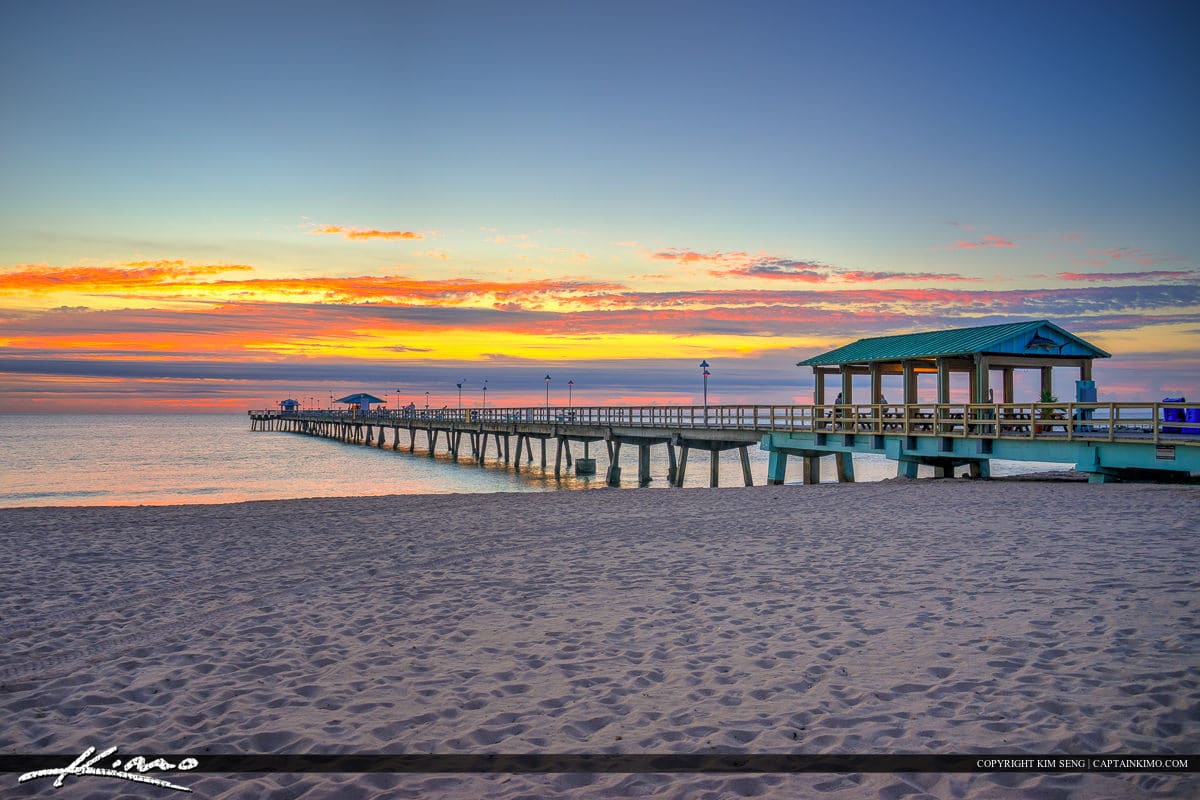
{"x":1104,"y":422}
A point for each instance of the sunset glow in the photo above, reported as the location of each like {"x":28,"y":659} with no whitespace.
{"x":401,"y":220}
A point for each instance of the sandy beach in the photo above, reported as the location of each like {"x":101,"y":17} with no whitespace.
{"x":897,"y":617}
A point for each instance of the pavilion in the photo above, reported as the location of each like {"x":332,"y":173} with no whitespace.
{"x":1039,"y":345}
{"x":361,"y":401}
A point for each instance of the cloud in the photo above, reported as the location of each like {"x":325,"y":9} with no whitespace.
{"x":988,"y":240}
{"x":168,"y":279}
{"x":744,"y":265}
{"x":43,"y":278}
{"x":362,"y":234}
{"x":1170,"y":275}
{"x":1141,"y":257}
{"x":780,"y":269}
{"x":716,"y":258}
{"x":859,"y":276}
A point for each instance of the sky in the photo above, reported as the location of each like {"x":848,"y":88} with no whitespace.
{"x":214,"y":206}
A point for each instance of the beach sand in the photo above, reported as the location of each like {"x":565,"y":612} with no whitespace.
{"x":897,"y":617}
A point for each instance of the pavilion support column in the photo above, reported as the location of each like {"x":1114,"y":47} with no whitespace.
{"x":1047,"y":381}
{"x":906,"y":468}
{"x":847,"y":386}
{"x":1009,"y":391}
{"x":910,"y":382}
{"x":876,"y":383}
{"x":812,"y":470}
{"x":818,"y":386}
{"x":776,"y":468}
{"x":845,"y":467}
{"x":1085,"y":370}
{"x":943,"y":388}
{"x":983,"y":378}
{"x":943,"y":379}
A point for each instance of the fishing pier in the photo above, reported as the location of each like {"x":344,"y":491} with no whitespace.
{"x":1106,"y":440}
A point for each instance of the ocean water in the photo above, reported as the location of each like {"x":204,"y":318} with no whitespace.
{"x":163,"y":459}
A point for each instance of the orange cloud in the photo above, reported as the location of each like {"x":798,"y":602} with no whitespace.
{"x":167,"y":279}
{"x":43,"y":278}
{"x":692,"y":257}
{"x":361,"y":234}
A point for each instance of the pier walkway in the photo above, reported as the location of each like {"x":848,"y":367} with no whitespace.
{"x":1105,"y":440}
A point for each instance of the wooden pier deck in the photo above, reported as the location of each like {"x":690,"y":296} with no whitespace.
{"x":1106,"y":440}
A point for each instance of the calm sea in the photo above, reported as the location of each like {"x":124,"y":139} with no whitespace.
{"x":160,"y":459}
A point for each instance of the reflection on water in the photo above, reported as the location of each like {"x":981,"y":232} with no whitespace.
{"x":199,"y":458}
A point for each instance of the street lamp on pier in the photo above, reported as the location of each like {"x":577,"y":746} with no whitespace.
{"x":460,"y":385}
{"x":485,"y":394}
{"x":704,"y":366}
{"x":427,"y":403}
{"x":547,"y":396}
{"x":570,"y":388}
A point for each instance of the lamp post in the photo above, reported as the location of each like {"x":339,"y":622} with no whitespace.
{"x":547,"y":396}
{"x":485,"y":394}
{"x":570,"y":388}
{"x":427,"y":403}
{"x":460,"y":385}
{"x":397,"y":408}
{"x":704,"y":366}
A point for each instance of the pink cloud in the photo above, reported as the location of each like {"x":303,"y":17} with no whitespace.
{"x":1138,"y":255}
{"x":1169,"y":275}
{"x":988,"y":240}
{"x":860,"y":276}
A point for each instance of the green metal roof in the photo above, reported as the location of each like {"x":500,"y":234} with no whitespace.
{"x":1018,"y":338}
{"x":361,"y":397}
